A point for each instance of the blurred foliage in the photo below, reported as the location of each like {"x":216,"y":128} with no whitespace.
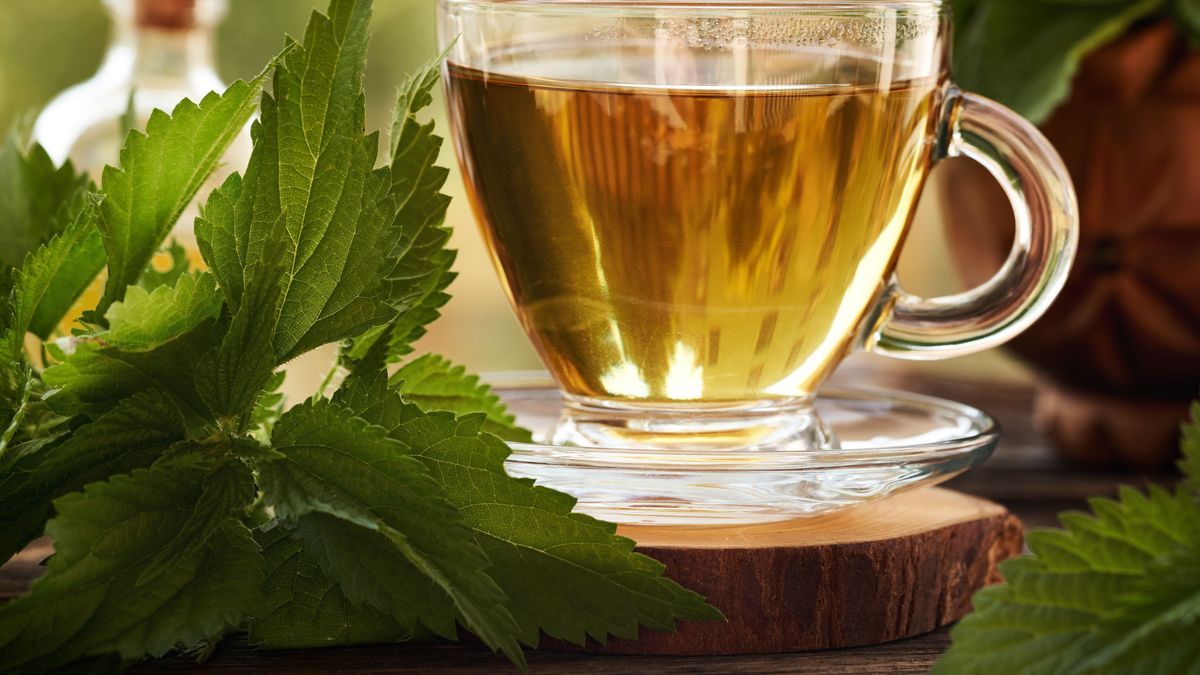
{"x":47,"y":45}
{"x":51,"y":44}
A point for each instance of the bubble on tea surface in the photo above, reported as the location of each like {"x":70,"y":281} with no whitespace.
{"x":799,"y":30}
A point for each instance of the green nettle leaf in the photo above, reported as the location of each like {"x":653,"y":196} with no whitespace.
{"x":156,"y":341}
{"x":90,"y":601}
{"x":133,"y":435}
{"x":161,"y":172}
{"x":17,"y":383}
{"x":1025,"y":53}
{"x":230,"y":378}
{"x":37,"y":199}
{"x":153,"y":277}
{"x":304,"y":608}
{"x":49,"y":247}
{"x":145,"y":320}
{"x":1117,"y":591}
{"x":268,"y":407}
{"x":1190,"y":445}
{"x":338,"y":465}
{"x":27,"y":424}
{"x":312,"y":172}
{"x":417,"y":181}
{"x":421,"y":247}
{"x":128,"y":121}
{"x":94,"y":377}
{"x":434,"y":383}
{"x":569,"y":575}
{"x":372,"y":574}
{"x":52,"y":279}
{"x":225,"y":493}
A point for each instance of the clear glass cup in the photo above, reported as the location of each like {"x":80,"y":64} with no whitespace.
{"x":696,"y":207}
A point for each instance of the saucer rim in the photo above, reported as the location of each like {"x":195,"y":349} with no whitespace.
{"x":983,"y":436}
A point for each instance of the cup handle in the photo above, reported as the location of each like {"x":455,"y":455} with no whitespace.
{"x":1047,"y":233}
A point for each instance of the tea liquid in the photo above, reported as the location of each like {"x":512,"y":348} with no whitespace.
{"x":714,"y":244}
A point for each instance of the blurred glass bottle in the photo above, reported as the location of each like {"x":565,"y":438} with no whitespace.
{"x":161,"y":51}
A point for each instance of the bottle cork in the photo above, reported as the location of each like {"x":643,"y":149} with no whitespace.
{"x":166,"y":14}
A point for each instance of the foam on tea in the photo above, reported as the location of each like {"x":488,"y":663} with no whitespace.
{"x":703,"y":243}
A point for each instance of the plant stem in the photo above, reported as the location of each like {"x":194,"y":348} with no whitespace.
{"x":333,"y":371}
{"x":18,"y":415}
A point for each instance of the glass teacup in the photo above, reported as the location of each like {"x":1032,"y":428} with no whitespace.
{"x":696,"y":208}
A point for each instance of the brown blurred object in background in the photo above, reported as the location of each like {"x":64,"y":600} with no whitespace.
{"x":1119,"y":352}
{"x":166,"y":13}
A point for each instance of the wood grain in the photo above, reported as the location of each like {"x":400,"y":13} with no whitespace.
{"x":885,"y":571}
{"x":904,"y":515}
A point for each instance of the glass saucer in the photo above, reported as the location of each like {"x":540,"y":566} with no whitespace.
{"x":889,"y":441}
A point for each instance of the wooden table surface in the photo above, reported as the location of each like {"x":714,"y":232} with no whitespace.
{"x":1024,"y":475}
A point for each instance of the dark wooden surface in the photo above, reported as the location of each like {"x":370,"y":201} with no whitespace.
{"x":1024,"y":474}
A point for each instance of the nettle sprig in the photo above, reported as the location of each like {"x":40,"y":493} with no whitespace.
{"x":183,"y":503}
{"x":1114,"y":591}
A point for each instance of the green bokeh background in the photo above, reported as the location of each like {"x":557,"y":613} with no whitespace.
{"x":48,"y":45}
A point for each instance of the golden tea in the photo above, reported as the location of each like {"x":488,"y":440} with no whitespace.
{"x":711,"y":244}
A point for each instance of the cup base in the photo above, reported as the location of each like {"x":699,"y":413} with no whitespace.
{"x":887,"y":442}
{"x":787,"y":425}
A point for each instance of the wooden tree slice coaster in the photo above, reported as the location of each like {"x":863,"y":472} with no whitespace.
{"x":887,"y":570}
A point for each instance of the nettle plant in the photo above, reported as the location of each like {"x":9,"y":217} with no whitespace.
{"x":1114,"y":591}
{"x":183,"y":502}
